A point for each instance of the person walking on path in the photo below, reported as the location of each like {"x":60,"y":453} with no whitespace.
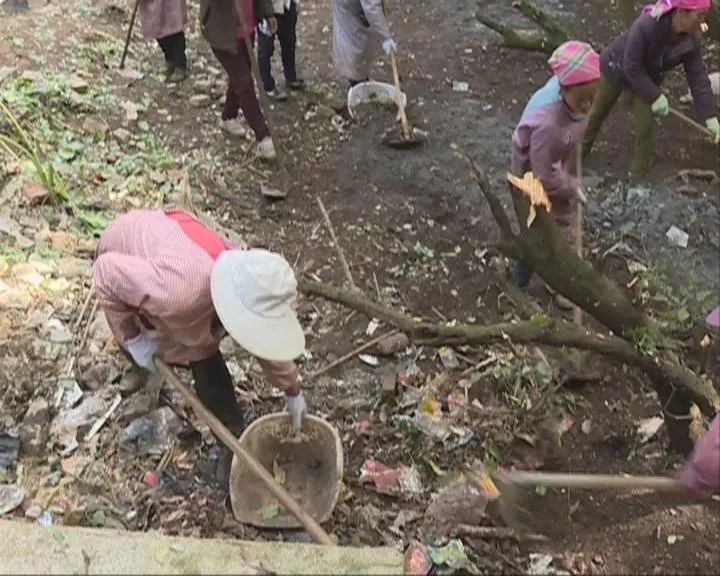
{"x":165,"y":21}
{"x":547,"y":139}
{"x":664,"y":36}
{"x":286,"y":14}
{"x":356,"y":24}
{"x":172,"y":288}
{"x":223,"y":30}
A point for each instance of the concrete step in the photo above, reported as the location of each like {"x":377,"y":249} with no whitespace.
{"x":27,"y":548}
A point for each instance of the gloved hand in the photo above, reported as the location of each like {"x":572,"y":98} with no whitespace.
{"x":389,"y":46}
{"x":701,"y":474}
{"x":142,"y":349}
{"x":661,"y":106}
{"x":264,"y":28}
{"x":297,"y":408}
{"x":714,"y":126}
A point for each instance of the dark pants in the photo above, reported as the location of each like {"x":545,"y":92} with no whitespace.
{"x":173,"y":47}
{"x":241,"y":89}
{"x":287,"y":23}
{"x":214,"y":387}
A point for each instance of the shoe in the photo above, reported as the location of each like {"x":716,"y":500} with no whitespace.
{"x":277,"y":94}
{"x":296,"y":85}
{"x":178,"y":75}
{"x":233,"y":127}
{"x":266,"y":149}
{"x":169,"y":70}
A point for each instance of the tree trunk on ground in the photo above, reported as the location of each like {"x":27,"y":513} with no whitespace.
{"x":15,"y":6}
{"x":545,"y":250}
{"x":546,"y":40}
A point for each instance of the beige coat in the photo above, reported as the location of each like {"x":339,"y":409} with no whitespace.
{"x":358,"y":27}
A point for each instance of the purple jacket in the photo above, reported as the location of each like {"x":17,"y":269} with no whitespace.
{"x":546,"y":142}
{"x":638,"y":59}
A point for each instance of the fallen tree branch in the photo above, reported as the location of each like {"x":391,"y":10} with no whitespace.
{"x":540,"y":330}
{"x":333,"y":237}
{"x":546,"y":40}
{"x":352,"y":353}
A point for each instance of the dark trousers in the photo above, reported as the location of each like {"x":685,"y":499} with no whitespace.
{"x":287,"y":22}
{"x":214,"y":387}
{"x":241,"y":89}
{"x":173,"y":47}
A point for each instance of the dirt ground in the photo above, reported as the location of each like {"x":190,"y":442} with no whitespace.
{"x":417,"y":234}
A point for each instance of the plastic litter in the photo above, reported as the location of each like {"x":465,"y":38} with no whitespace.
{"x":154,"y":433}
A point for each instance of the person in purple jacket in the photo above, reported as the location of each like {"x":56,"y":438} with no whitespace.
{"x":547,"y":140}
{"x":666,"y":35}
{"x":701,"y":473}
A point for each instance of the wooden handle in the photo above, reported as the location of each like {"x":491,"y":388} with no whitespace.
{"x":398,"y":98}
{"x":129,"y":34}
{"x":227,"y":438}
{"x":592,"y":481}
{"x":577,"y":311}
{"x":692,"y":123}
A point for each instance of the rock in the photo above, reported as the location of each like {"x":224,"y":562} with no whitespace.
{"x":393,"y":344}
{"x":122,"y":134}
{"x":271,"y":193}
{"x":34,"y":428}
{"x":130,"y":74}
{"x":137,"y":405}
{"x":6,"y":72}
{"x":97,"y":376}
{"x":199,"y":100}
{"x":132,"y":381}
{"x":31,"y":75}
{"x":46,"y":350}
{"x":100,"y":329}
{"x":78,"y":84}
{"x":94,"y":125}
{"x":72,"y":267}
{"x":34,"y":194}
{"x":131,"y":111}
{"x":11,"y":496}
{"x":86,"y":246}
{"x":61,"y":241}
{"x":455,"y":504}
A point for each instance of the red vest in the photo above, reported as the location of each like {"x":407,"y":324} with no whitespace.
{"x":208,"y":241}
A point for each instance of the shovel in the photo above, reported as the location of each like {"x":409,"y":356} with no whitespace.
{"x":510,"y":489}
{"x":129,"y":34}
{"x":691,"y":122}
{"x":410,"y":138}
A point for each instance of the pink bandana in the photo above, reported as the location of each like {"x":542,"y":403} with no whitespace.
{"x":575,"y":63}
{"x":662,"y":7}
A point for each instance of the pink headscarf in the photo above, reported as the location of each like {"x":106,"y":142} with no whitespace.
{"x":662,"y":7}
{"x":575,"y":63}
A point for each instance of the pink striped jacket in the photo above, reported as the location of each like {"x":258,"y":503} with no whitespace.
{"x":150,"y":277}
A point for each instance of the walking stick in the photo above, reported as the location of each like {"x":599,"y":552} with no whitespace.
{"x":227,"y":438}
{"x":129,"y":34}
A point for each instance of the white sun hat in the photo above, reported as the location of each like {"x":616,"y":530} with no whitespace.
{"x":254,"y":292}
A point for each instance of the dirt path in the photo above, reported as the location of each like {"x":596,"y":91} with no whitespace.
{"x":417,"y":234}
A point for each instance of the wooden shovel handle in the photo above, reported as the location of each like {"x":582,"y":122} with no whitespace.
{"x":227,"y":438}
{"x":129,"y":34}
{"x":591,"y":481}
{"x":692,"y":123}
{"x":398,"y":99}
{"x":577,"y":311}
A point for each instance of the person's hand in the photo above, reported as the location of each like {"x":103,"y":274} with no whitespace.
{"x":142,"y":349}
{"x":273,"y":25}
{"x":714,"y":126}
{"x":661,"y":106}
{"x":389,"y":46}
{"x":297,"y":408}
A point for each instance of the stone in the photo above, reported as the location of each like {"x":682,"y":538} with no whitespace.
{"x":199,"y":100}
{"x":61,"y":241}
{"x":96,"y":376}
{"x":131,"y":111}
{"x":108,"y":551}
{"x":34,"y":194}
{"x":94,"y":125}
{"x":78,"y":84}
{"x":100,"y":329}
{"x":137,"y":405}
{"x":72,"y":267}
{"x":34,"y":428}
{"x":122,"y":134}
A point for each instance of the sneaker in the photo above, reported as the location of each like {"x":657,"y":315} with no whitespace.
{"x":266,"y":149}
{"x":178,"y":75}
{"x":296,"y":85}
{"x":276,"y":94}
{"x":233,"y":127}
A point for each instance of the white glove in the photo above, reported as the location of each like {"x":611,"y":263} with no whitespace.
{"x":297,"y":409}
{"x":389,"y":46}
{"x":142,"y":349}
{"x":264,"y":28}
